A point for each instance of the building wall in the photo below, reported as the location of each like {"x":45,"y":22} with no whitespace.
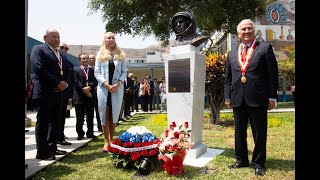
{"x":140,"y":73}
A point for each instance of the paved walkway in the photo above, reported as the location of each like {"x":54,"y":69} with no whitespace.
{"x":35,"y":165}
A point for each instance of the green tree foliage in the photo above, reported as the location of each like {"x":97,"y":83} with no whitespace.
{"x":153,"y":17}
{"x":287,"y":65}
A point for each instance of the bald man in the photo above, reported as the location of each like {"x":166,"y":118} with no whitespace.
{"x":51,"y":80}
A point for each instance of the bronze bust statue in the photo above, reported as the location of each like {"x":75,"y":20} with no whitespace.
{"x":184,"y":26}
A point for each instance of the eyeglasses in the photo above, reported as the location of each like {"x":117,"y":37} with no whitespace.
{"x":64,"y":48}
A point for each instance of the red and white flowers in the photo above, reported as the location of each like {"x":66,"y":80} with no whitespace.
{"x":132,"y":147}
{"x":175,"y":139}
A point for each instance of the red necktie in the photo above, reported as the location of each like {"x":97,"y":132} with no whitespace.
{"x":244,"y":53}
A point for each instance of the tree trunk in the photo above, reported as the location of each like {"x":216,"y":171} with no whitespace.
{"x":214,"y":92}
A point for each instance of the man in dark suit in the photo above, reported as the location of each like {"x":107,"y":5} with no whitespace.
{"x":51,"y":79}
{"x":128,"y":94}
{"x":251,"y":83}
{"x":151,"y":93}
{"x":136,"y":87}
{"x":92,"y":62}
{"x":84,"y":88}
{"x":67,"y":95}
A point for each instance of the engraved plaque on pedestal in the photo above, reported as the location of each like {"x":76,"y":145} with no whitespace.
{"x":179,"y":75}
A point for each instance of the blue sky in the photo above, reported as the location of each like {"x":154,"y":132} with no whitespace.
{"x":71,"y":19}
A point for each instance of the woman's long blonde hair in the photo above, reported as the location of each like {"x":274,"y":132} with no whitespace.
{"x":104,"y":54}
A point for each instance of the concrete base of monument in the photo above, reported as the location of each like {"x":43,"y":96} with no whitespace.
{"x":202,"y":160}
{"x":197,"y":151}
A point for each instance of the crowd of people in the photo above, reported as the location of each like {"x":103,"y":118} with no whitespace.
{"x":102,"y":84}
{"x":100,"y":87}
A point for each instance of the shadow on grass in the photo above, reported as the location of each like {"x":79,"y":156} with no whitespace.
{"x":58,"y":169}
{"x":271,"y":163}
{"x":280,"y":164}
{"x":223,"y":124}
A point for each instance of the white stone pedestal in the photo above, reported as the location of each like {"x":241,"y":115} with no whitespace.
{"x":185,"y":76}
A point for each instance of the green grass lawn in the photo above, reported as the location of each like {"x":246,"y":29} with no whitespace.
{"x":279,"y":105}
{"x":90,"y":163}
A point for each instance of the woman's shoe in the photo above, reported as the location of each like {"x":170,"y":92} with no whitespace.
{"x":104,"y":151}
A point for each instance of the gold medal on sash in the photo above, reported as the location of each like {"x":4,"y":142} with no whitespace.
{"x":61,"y":72}
{"x":243,"y":79}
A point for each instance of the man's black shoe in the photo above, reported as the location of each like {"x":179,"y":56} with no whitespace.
{"x":64,"y":142}
{"x":91,"y":136}
{"x":26,"y":130}
{"x":238,"y":165}
{"x":79,"y":137}
{"x":58,"y":152}
{"x":25,"y":166}
{"x":259,"y":171}
{"x":49,"y":157}
{"x":121,"y":119}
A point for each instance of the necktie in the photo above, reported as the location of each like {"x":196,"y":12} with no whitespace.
{"x":244,"y":53}
{"x":86,"y":69}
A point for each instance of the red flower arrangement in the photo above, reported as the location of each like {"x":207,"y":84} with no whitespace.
{"x":173,"y":147}
{"x":134,"y":147}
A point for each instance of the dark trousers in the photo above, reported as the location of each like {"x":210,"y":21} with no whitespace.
{"x":81,"y":109}
{"x":97,"y":114}
{"x":127,"y":103}
{"x":259,"y":124}
{"x":45,"y":130}
{"x":145,"y":102}
{"x":156,"y":101}
{"x":294,"y":97}
{"x":61,"y":119}
{"x":136,"y":102}
{"x":30,"y":104}
{"x":150,"y":102}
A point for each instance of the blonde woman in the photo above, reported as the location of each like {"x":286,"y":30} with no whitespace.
{"x":110,"y":72}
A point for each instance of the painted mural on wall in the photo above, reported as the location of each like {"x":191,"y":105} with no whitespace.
{"x":278,"y":23}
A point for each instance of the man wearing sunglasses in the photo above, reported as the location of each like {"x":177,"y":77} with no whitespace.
{"x":67,"y":95}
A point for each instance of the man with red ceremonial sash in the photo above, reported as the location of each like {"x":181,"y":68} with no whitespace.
{"x":84,"y":86}
{"x":250,"y":88}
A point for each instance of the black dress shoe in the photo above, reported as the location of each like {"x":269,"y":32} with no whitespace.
{"x":48,"y":157}
{"x":26,"y":130}
{"x":58,"y":152}
{"x":64,"y":142}
{"x":26,"y":165}
{"x":259,"y":172}
{"x":91,"y":136}
{"x":79,"y":137}
{"x":238,"y":165}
